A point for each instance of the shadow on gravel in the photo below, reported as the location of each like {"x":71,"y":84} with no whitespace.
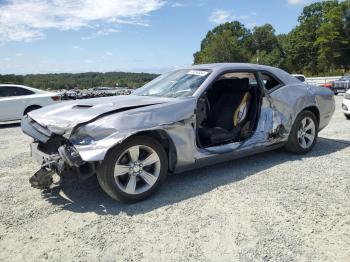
{"x":88,"y":197}
{"x":4,"y":125}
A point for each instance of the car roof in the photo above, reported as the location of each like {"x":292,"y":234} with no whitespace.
{"x":281,"y":74}
{"x":38,"y":91}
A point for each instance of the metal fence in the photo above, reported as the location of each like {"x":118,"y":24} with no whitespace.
{"x":321,"y":80}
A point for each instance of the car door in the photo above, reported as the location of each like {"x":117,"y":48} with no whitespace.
{"x":280,"y":102}
{"x":13,"y":102}
{"x":255,"y":119}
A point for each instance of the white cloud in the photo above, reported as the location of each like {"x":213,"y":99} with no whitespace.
{"x":18,"y":54}
{"x":177,"y":4}
{"x":27,"y":20}
{"x":76,"y":47}
{"x":107,"y":31}
{"x":109,"y":54}
{"x":220,"y":16}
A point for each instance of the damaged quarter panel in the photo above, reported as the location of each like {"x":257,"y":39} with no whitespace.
{"x":325,"y":103}
{"x":289,"y":101}
{"x":93,"y":139}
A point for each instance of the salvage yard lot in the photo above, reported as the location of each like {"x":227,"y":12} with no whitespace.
{"x":269,"y":207}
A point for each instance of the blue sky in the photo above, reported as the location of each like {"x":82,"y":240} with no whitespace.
{"x":48,"y":36}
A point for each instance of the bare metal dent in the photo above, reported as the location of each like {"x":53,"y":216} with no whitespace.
{"x":176,"y":119}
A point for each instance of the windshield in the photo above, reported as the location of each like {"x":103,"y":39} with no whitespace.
{"x":179,"y":83}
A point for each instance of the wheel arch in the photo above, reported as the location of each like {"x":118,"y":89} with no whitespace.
{"x":165,"y":140}
{"x":26,"y":110}
{"x":314,"y":109}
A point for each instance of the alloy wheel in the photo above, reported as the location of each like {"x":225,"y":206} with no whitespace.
{"x":137,"y":169}
{"x":306,"y":132}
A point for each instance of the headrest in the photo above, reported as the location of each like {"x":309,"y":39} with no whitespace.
{"x":233,"y":84}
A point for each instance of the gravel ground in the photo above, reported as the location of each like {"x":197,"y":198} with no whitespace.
{"x":269,"y":207}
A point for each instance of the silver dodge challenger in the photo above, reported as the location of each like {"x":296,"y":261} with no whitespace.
{"x":182,"y":120}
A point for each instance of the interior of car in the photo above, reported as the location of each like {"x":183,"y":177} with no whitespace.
{"x":228,"y":111}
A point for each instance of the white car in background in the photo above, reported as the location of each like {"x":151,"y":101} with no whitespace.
{"x":302,"y":78}
{"x":18,"y":100}
{"x":346,"y":104}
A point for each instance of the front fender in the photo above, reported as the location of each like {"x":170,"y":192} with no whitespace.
{"x":177,"y":120}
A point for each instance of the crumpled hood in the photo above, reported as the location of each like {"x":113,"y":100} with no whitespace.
{"x":63,"y":117}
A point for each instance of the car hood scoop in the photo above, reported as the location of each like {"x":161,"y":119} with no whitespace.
{"x":62,"y":118}
{"x":82,"y":106}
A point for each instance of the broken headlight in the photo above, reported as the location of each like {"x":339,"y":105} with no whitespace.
{"x":81,"y":138}
{"x":82,"y":141}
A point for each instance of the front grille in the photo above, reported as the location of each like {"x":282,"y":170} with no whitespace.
{"x":52,"y":145}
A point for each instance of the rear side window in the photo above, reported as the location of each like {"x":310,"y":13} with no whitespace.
{"x":270,"y":82}
{"x":301,"y":78}
{"x":8,"y":91}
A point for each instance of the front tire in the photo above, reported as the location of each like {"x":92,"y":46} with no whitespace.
{"x":304,"y":133}
{"x":133,"y":170}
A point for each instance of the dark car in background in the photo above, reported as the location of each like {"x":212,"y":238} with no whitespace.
{"x":341,"y":85}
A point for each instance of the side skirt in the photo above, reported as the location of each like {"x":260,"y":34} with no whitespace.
{"x":221,"y":158}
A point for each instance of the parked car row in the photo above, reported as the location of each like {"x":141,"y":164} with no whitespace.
{"x":75,"y":94}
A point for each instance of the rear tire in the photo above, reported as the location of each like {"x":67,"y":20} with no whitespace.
{"x":130,"y":177}
{"x":304,"y":133}
{"x":347,"y":116}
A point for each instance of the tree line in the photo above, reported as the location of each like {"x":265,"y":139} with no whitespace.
{"x":81,"y":80}
{"x":318,"y":45}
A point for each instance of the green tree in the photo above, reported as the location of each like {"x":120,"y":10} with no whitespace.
{"x":228,"y":42}
{"x":265,"y":46}
{"x":331,"y":39}
{"x":319,"y":43}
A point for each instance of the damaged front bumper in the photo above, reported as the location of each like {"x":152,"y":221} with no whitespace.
{"x":55,"y":154}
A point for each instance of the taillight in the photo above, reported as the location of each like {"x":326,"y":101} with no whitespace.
{"x":327,"y":85}
{"x":56,"y":98}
